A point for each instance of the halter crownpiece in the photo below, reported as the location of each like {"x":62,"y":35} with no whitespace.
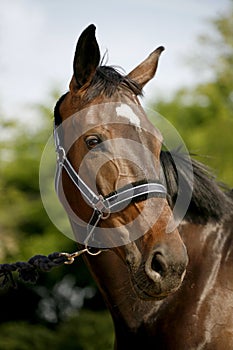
{"x":103,"y":206}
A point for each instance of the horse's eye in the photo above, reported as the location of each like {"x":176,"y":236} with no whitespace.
{"x":92,"y":141}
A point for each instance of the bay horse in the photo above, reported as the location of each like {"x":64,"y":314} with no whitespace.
{"x":165,"y":289}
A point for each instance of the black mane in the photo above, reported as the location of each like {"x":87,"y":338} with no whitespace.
{"x":209,"y":201}
{"x":57,"y":115}
{"x":107,"y":80}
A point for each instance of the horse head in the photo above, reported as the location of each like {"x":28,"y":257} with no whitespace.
{"x":109,"y":142}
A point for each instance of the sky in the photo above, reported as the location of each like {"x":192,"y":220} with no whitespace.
{"x":38,"y":39}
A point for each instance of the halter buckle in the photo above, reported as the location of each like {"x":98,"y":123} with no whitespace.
{"x":102,"y":209}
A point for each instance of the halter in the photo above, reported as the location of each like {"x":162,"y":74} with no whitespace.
{"x":102,"y":206}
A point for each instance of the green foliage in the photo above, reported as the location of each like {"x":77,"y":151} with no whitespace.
{"x":203,"y":115}
{"x":86,"y":331}
{"x":23,"y":336}
{"x":91,"y":331}
{"x":24,"y":225}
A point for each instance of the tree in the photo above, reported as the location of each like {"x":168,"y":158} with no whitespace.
{"x":204,"y":114}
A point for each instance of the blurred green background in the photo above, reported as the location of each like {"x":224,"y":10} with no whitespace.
{"x":64,"y":310}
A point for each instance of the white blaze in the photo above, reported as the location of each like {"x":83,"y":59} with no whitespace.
{"x":125,"y":111}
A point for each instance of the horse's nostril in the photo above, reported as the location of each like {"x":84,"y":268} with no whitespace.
{"x":158,"y":264}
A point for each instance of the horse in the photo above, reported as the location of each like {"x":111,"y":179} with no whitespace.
{"x":167,"y":285}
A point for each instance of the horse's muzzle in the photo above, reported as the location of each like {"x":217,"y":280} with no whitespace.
{"x":162,"y":273}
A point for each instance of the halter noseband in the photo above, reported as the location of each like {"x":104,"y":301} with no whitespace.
{"x":102,"y":206}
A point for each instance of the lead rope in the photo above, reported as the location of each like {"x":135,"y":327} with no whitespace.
{"x":29,"y":271}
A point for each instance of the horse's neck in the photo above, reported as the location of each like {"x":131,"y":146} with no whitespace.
{"x":210,"y":251}
{"x":207,"y":244}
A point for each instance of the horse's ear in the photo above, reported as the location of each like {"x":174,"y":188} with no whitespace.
{"x":86,"y":58}
{"x":145,"y":71}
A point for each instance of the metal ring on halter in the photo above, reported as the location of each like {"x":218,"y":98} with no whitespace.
{"x":90,"y":253}
{"x":105,"y":215}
